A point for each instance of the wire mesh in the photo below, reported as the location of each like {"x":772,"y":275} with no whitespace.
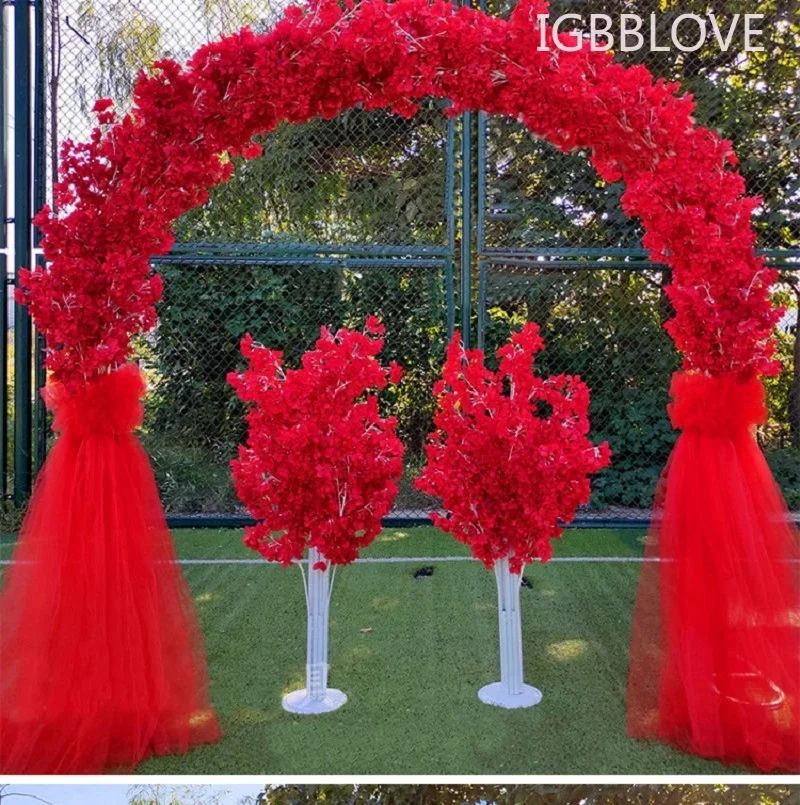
{"x":538,"y":195}
{"x":194,"y":420}
{"x":604,"y":325}
{"x":370,"y":178}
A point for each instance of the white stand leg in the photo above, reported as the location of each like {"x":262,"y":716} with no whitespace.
{"x":316,"y":697}
{"x":510,"y":692}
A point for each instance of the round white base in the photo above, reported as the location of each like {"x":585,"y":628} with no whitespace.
{"x":497,"y":695}
{"x":298,"y":701}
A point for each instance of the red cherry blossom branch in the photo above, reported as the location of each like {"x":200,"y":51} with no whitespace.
{"x":320,"y":466}
{"x":510,"y":457}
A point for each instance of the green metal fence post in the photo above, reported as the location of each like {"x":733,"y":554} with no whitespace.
{"x":466,"y":226}
{"x":22,"y":250}
{"x":480,"y":227}
{"x":466,"y":219}
{"x":481,"y":230}
{"x":39,"y":196}
{"x":4,"y":220}
{"x":451,"y":224}
{"x":4,"y":371}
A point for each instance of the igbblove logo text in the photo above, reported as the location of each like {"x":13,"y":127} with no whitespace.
{"x":632,"y":32}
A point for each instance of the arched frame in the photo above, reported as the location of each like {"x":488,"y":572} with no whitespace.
{"x":119,"y":193}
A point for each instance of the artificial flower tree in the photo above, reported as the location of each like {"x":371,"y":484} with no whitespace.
{"x":510,"y":461}
{"x":319,"y":471}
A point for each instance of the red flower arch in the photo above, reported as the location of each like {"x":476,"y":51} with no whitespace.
{"x":119,"y":193}
{"x":716,"y":638}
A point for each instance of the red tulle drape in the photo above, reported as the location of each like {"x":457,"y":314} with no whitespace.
{"x":715,"y":651}
{"x":101,"y":658}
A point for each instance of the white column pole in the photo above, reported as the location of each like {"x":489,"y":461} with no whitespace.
{"x":317,"y":633}
{"x":510,"y":691}
{"x":316,"y":697}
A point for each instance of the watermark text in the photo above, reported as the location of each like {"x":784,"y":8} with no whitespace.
{"x":632,"y":32}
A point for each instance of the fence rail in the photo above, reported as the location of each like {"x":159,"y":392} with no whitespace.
{"x":432,"y":223}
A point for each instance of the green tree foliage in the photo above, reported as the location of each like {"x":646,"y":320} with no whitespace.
{"x":784,"y":391}
{"x":359,"y":179}
{"x":568,"y":794}
{"x":751,"y":98}
{"x":125,"y":37}
{"x":604,"y":324}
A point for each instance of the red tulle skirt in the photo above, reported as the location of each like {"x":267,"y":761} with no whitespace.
{"x":101,"y":658}
{"x":715,"y":650}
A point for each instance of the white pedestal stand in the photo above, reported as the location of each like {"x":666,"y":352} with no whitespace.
{"x":510,"y":692}
{"x":316,"y":696}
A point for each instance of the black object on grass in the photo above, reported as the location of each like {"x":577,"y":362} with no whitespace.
{"x":424,"y":572}
{"x":526,"y":583}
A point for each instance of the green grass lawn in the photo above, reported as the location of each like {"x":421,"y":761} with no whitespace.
{"x":411,"y":655}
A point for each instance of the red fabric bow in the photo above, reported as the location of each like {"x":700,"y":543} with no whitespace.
{"x":109,"y":404}
{"x":719,"y":406}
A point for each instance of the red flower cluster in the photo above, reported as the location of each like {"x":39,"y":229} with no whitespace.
{"x":118,"y":194}
{"x":321,"y":465}
{"x":510,"y":456}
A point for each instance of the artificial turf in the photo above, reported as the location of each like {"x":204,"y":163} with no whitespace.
{"x":411,"y":654}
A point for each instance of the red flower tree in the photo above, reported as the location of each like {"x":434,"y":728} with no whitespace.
{"x":320,"y":468}
{"x":510,"y":460}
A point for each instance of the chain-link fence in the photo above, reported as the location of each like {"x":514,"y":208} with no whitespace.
{"x":194,"y":420}
{"x":360,"y":215}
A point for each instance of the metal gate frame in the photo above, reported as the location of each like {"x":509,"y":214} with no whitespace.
{"x":30,"y":425}
{"x":30,"y":192}
{"x":465,"y":248}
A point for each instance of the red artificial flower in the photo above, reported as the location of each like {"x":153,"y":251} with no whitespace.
{"x":321,"y":465}
{"x":252,"y":150}
{"x":374,"y":326}
{"x":510,"y":457}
